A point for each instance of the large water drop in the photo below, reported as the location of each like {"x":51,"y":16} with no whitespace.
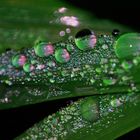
{"x":62,"y":55}
{"x":19,"y":60}
{"x":43,"y":49}
{"x":85,"y":39}
{"x":127,"y":45}
{"x":90,"y":109}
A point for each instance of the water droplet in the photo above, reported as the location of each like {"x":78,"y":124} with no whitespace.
{"x":64,"y":73}
{"x":33,"y":61}
{"x":43,"y":49}
{"x":8,"y":82}
{"x":2,"y":70}
{"x":62,"y":55}
{"x":113,"y":65}
{"x":87,"y":66}
{"x":120,"y":71}
{"x":70,"y":47}
{"x":104,"y":61}
{"x":82,"y":74}
{"x":108,"y":82}
{"x":68,"y":30}
{"x":92,"y":81}
{"x":123,"y":43}
{"x":115,"y":103}
{"x":98,"y":70}
{"x":40,"y":66}
{"x":105,"y":46}
{"x":115,"y":32}
{"x":49,"y":74}
{"x":51,"y":64}
{"x":62,"y":33}
{"x":90,"y":109}
{"x":27,"y":67}
{"x":72,"y":74}
{"x":126,"y":65}
{"x":19,"y":60}
{"x":126,"y":78}
{"x":52,"y":80}
{"x":136,"y":60}
{"x":85,"y":39}
{"x":6,"y":100}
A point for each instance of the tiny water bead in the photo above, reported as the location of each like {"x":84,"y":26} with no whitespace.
{"x":136,"y":60}
{"x":90,"y":109}
{"x":64,"y":73}
{"x":62,"y":55}
{"x":98,"y":70}
{"x":105,"y":46}
{"x":27,"y":67}
{"x":115,"y":32}
{"x":85,"y":39}
{"x":126,"y":65}
{"x":43,"y":49}
{"x":51,"y":64}
{"x":68,"y":30}
{"x":127,"y":45}
{"x":62,"y":33}
{"x":70,"y":47}
{"x":115,"y":103}
{"x":19,"y":60}
{"x":40,"y":66}
{"x":108,"y":82}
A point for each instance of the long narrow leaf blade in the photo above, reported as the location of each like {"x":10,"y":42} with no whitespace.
{"x":102,"y":117}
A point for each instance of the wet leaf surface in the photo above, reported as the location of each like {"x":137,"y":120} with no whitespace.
{"x":23,"y":24}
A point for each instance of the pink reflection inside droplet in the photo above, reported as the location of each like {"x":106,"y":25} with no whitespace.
{"x":92,"y":41}
{"x":22,"y":60}
{"x":66,"y":55}
{"x":48,"y":49}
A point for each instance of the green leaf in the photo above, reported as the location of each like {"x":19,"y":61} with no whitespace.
{"x":74,"y":78}
{"x":105,"y":120}
{"x":23,"y":25}
{"x":87,"y":73}
{"x":20,"y":86}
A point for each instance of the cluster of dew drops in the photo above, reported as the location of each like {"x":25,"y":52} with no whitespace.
{"x":84,"y":40}
{"x":29,"y":61}
{"x":57,"y":54}
{"x":45,"y":57}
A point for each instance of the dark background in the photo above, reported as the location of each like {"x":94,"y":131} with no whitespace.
{"x":13,"y":122}
{"x":123,"y":11}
